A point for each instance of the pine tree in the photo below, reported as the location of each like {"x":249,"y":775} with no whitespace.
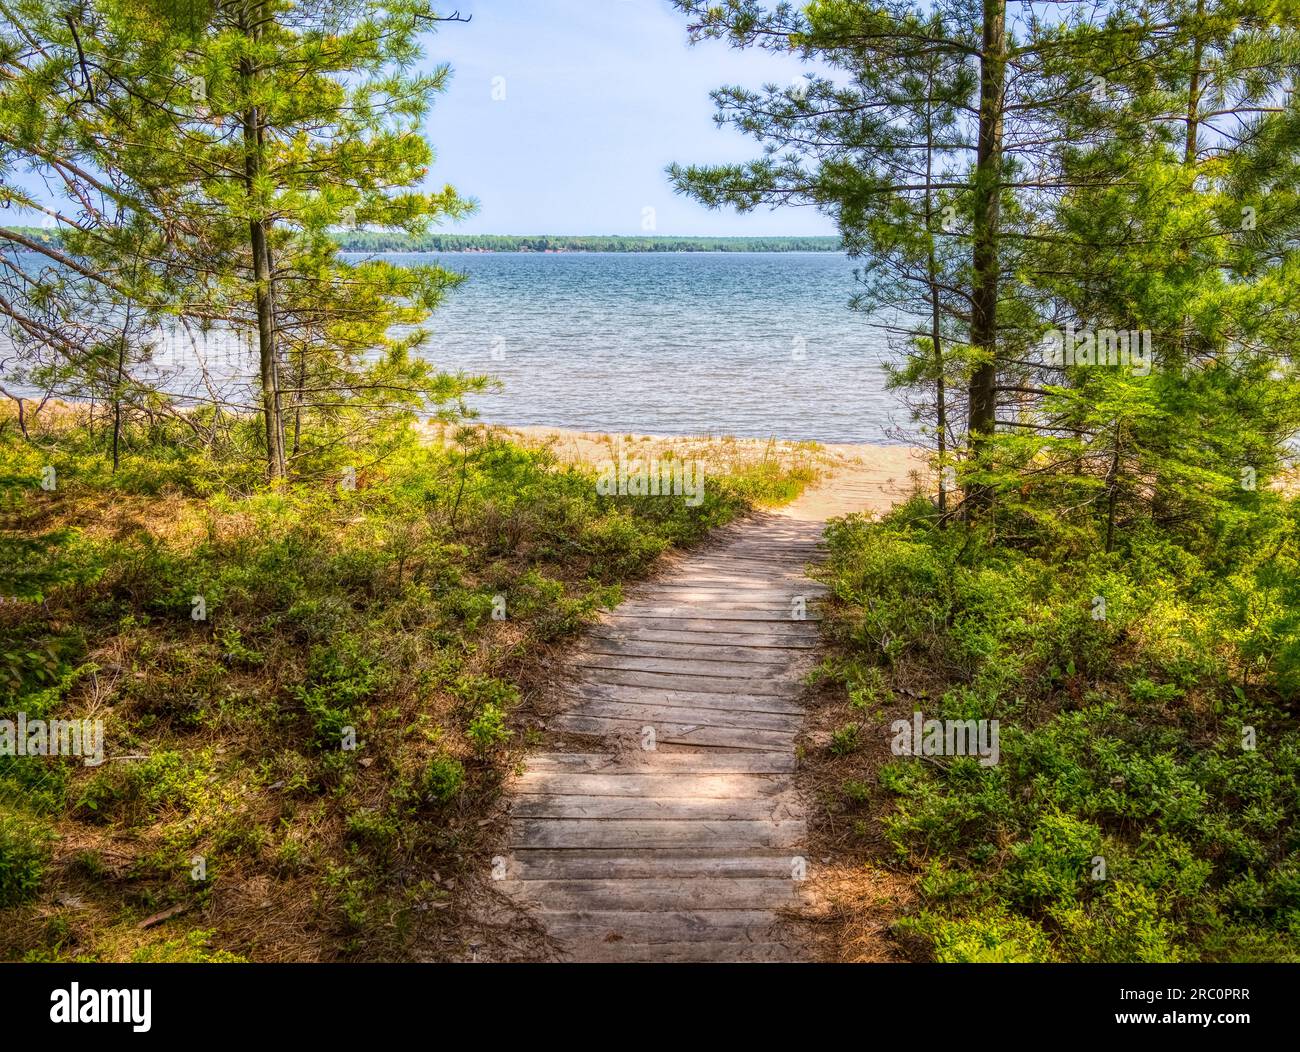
{"x":239,"y":138}
{"x":1196,"y":246}
{"x":938,"y":105}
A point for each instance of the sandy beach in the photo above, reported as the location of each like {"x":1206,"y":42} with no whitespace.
{"x":853,"y":477}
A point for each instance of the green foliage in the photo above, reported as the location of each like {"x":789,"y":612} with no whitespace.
{"x":1131,"y":816}
{"x":488,"y":728}
{"x":993,"y":938}
{"x":272,"y":129}
{"x":340,"y":678}
{"x":858,"y":792}
{"x":194,"y":947}
{"x":374,"y":608}
{"x":24,"y":852}
{"x":444,"y":779}
{"x":844,"y":740}
{"x":1126,"y":924}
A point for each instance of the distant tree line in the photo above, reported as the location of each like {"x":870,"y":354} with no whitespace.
{"x":395,"y":241}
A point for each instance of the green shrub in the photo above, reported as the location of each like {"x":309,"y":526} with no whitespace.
{"x":443,"y":779}
{"x":488,"y":728}
{"x":1126,"y":925}
{"x":340,"y":677}
{"x":995,"y":938}
{"x":844,"y":740}
{"x":194,"y":947}
{"x":1052,"y":865}
{"x":1145,"y":805}
{"x":24,"y":853}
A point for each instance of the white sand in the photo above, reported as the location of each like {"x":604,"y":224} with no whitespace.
{"x":854,"y":477}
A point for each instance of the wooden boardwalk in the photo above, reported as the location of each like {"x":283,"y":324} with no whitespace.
{"x":676,"y":834}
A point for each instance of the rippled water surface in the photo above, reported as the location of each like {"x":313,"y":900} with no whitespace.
{"x":749,"y":344}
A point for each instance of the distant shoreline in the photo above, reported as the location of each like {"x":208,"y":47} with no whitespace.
{"x":577,"y":251}
{"x":391,"y":242}
{"x":559,"y":244}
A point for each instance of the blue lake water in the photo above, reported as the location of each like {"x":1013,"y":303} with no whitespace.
{"x":748,"y":344}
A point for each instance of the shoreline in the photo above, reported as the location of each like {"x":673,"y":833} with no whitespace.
{"x":846,"y":470}
{"x":897,"y":467}
{"x":589,"y":251}
{"x":581,"y":443}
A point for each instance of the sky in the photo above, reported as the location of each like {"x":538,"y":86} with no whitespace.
{"x":562,"y":115}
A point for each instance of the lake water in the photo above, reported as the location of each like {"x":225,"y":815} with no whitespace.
{"x":752,"y":344}
{"x":748,"y":344}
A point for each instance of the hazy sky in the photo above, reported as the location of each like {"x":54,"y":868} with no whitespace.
{"x":599,"y":95}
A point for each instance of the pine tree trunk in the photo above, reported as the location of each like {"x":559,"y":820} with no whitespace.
{"x":264,"y":294}
{"x":117,"y":411}
{"x":118,"y":384}
{"x":275,"y":459}
{"x":932,"y":276}
{"x":985,"y":255}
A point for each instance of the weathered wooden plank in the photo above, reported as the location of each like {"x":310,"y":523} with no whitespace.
{"x":716,"y":762}
{"x":731,"y":593}
{"x":652,"y":714}
{"x":697,"y":699}
{"x":687,"y":666}
{"x":577,"y":865}
{"x":777,"y":570}
{"x":660,"y":786}
{"x":651,"y":894}
{"x":663,"y":927}
{"x":796,"y":636}
{"x":668,"y":682}
{"x":792,"y":580}
{"x":677,"y":733}
{"x":594,"y":833}
{"x":736,"y":951}
{"x":673,"y":650}
{"x":777,"y":612}
{"x":670,"y":809}
{"x":731,"y":627}
{"x":795,"y":553}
